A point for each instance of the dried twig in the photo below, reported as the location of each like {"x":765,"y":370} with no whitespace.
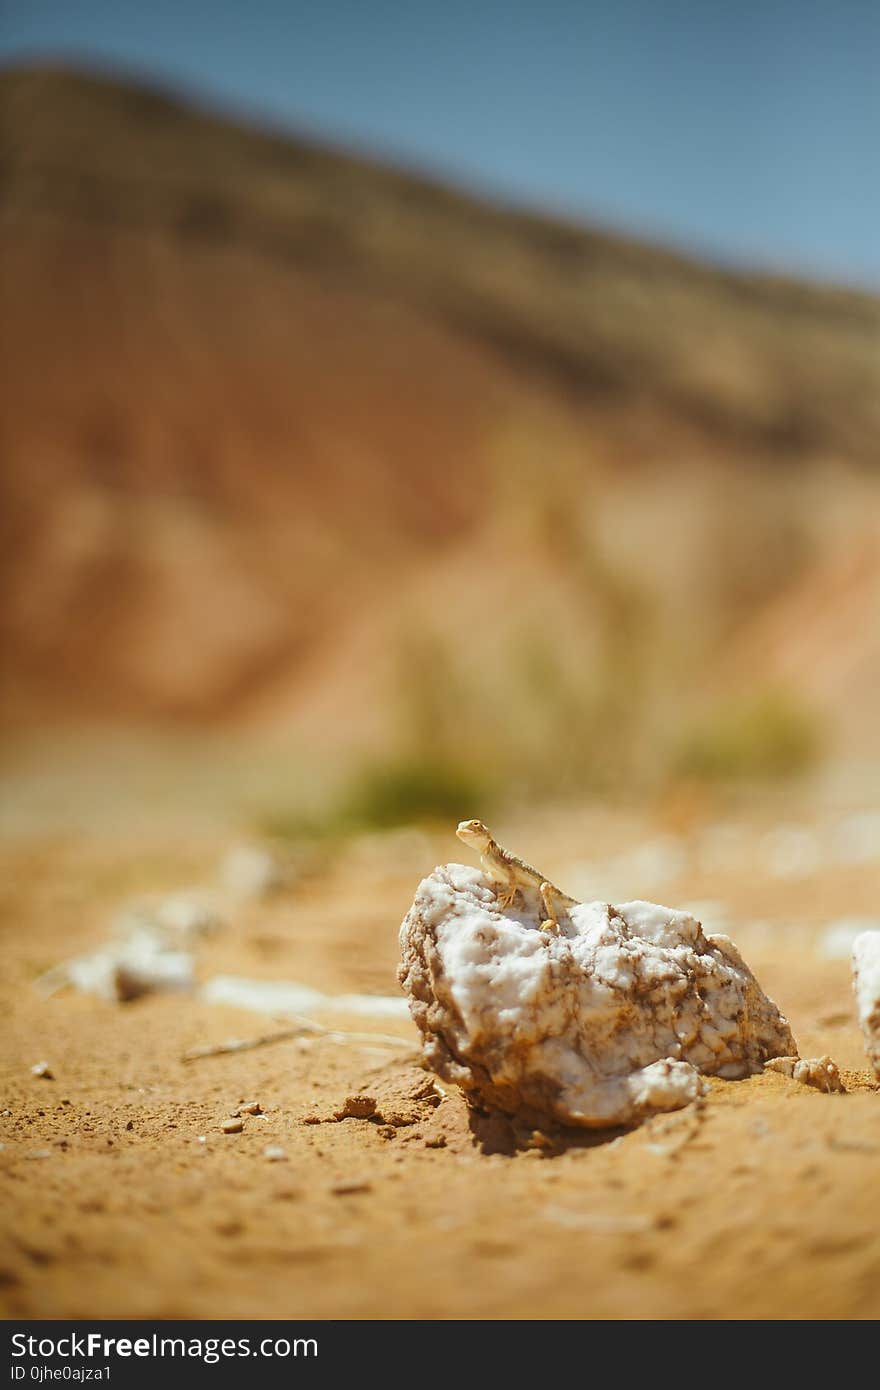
{"x":195,"y":1054}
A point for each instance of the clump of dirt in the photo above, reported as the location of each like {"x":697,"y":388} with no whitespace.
{"x":397,"y":1097}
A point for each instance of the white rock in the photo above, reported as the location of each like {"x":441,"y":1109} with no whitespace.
{"x":368,"y":1005}
{"x":282,"y":997}
{"x":836,"y":941}
{"x":821,"y":1073}
{"x":866,"y":983}
{"x":146,"y":953}
{"x":123,"y":970}
{"x":261,"y":996}
{"x":251,"y":871}
{"x":610,"y":1021}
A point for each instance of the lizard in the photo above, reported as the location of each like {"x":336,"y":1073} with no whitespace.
{"x":508,"y":874}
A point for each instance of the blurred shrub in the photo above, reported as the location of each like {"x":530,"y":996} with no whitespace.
{"x":769,"y":735}
{"x":411,"y":789}
{"x":289,"y":825}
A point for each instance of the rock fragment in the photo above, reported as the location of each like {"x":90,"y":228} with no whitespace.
{"x":819,"y":1072}
{"x":251,"y":872}
{"x":141,"y":963}
{"x":288,"y":997}
{"x":836,"y":941}
{"x":866,"y":984}
{"x":350,"y":1185}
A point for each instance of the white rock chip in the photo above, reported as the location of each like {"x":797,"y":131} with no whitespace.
{"x":819,"y":1072}
{"x":280,"y":997}
{"x":609,"y":1022}
{"x":836,"y":941}
{"x":122,"y":970}
{"x":149,"y":951}
{"x":866,"y":983}
{"x":251,"y":872}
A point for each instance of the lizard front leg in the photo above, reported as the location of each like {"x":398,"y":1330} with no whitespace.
{"x":507,"y":894}
{"x":505,"y":885}
{"x":548,"y":901}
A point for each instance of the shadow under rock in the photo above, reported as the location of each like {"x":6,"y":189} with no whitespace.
{"x":495,"y":1133}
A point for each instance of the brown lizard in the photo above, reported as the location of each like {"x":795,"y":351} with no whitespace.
{"x":509,"y":875}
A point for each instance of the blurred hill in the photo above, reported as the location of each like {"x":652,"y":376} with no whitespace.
{"x":296,"y":441}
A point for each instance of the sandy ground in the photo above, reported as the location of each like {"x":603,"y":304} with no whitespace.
{"x":759,"y":1204}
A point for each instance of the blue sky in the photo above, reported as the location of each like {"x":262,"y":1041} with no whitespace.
{"x":745,"y":131}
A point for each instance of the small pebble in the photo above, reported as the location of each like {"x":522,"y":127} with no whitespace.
{"x":539,"y":1140}
{"x":232,"y":1126}
{"x":250,"y":1107}
{"x":201,"y":1138}
{"x":44,"y":1070}
{"x":341,"y":1189}
{"x":40,"y":1153}
{"x":274,"y":1153}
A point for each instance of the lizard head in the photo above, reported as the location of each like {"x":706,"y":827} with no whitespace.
{"x":475,"y":834}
